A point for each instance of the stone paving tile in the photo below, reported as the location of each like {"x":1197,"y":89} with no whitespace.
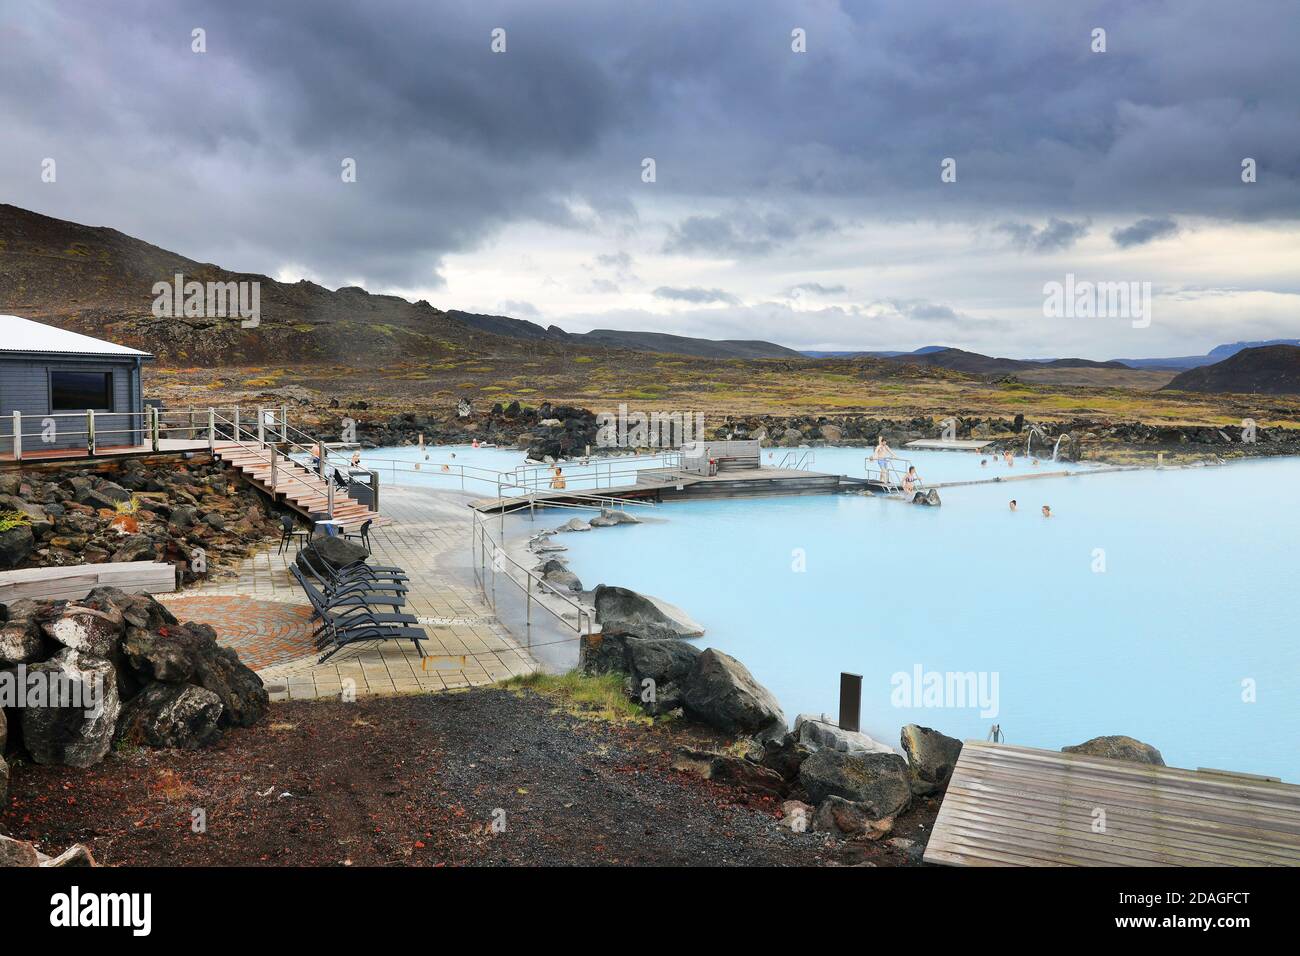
{"x":469,"y":646}
{"x":263,"y":633}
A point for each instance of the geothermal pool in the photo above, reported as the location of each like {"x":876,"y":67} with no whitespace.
{"x":475,"y":469}
{"x":1155,"y":604}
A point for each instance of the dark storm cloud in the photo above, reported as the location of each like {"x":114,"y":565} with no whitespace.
{"x":234,"y":155}
{"x":742,"y":234}
{"x":1143,"y":231}
{"x":1057,"y":235}
{"x":695,"y":295}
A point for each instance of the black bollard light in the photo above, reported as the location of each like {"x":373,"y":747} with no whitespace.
{"x":850,"y":701}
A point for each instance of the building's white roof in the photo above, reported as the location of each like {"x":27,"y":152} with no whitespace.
{"x":23,"y":335}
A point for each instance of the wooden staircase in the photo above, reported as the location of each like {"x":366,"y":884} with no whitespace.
{"x":296,"y":485}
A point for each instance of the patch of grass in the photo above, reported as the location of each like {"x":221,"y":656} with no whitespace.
{"x":588,"y":696}
{"x":13,"y":519}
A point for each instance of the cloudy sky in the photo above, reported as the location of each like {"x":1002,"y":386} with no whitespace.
{"x":797,"y":196}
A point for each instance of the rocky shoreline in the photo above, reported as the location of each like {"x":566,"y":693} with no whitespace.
{"x":837,"y":782}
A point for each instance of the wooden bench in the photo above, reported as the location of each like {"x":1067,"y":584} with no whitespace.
{"x":76,"y":581}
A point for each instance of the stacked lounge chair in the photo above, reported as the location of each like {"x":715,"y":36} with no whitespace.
{"x":356,"y":603}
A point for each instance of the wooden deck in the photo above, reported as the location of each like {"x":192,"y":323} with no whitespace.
{"x":665,"y":484}
{"x":1016,"y":806}
{"x":76,"y":581}
{"x":72,"y":456}
{"x":292,"y":484}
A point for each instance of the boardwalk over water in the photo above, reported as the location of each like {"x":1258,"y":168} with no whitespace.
{"x":1016,"y":806}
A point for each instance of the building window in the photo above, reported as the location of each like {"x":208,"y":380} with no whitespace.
{"x":78,"y":391}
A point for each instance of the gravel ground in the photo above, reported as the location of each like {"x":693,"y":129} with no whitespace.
{"x":421,"y":780}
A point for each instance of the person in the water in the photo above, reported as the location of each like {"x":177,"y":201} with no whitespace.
{"x":1013,"y":504}
{"x":1047,"y":511}
{"x":558,"y":482}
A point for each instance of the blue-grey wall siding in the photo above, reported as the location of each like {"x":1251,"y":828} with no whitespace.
{"x":25,"y":386}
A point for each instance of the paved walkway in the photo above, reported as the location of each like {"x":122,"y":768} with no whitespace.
{"x":428,"y":536}
{"x":264,"y":633}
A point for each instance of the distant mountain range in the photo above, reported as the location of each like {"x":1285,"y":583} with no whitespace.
{"x":1263,"y":370}
{"x":635,"y":341}
{"x":100,"y":282}
{"x":963,"y":361}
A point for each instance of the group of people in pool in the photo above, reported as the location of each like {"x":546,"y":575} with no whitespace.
{"x":1006,"y":458}
{"x":912,"y":481}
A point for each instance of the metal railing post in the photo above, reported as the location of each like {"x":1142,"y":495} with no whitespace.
{"x":275,"y":470}
{"x":261,"y":426}
{"x":528,"y":615}
{"x":374,"y":491}
{"x":153,"y":427}
{"x":193,"y":426}
{"x":212,"y":430}
{"x":18,"y":435}
{"x":236,"y":420}
{"x":284,"y":424}
{"x":320,"y":457}
{"x":90,"y":431}
{"x":329,"y":496}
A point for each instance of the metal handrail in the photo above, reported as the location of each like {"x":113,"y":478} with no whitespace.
{"x":271,"y":456}
{"x":884,"y":473}
{"x":504,"y":480}
{"x":797,"y":460}
{"x":480,"y":539}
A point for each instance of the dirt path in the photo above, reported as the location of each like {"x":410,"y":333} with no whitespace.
{"x":418,"y":780}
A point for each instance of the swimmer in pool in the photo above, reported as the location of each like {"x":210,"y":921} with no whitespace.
{"x":1010,"y":459}
{"x":1047,"y":511}
{"x":558,"y":482}
{"x":984,"y":462}
{"x":356,"y":459}
{"x":1013,"y":504}
{"x":446,"y":467}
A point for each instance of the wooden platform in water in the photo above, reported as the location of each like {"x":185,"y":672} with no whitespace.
{"x":948,"y":444}
{"x":665,"y":484}
{"x":1017,"y":806}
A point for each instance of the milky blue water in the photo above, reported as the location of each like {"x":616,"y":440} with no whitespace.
{"x":476,"y":469}
{"x":1152,"y":604}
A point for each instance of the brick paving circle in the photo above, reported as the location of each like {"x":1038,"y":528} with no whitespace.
{"x":262,"y":633}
